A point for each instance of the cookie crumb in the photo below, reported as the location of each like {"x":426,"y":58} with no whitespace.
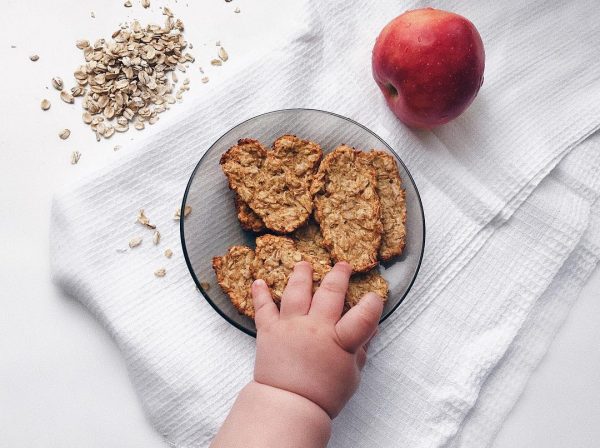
{"x":135,"y":242}
{"x":75,"y":156}
{"x":186,"y":212}
{"x":143,"y":220}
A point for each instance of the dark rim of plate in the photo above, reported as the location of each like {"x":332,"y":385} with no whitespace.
{"x":189,"y":184}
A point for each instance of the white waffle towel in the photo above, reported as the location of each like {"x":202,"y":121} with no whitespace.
{"x":510,"y":194}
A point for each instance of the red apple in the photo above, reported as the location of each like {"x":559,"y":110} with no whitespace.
{"x":429,"y":65}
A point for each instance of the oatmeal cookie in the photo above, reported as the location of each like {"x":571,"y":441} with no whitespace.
{"x":234,"y":277}
{"x":348,"y":209}
{"x":275,"y":259}
{"x":309,"y":240}
{"x":360,"y":284}
{"x":268,"y":181}
{"x":301,"y":156}
{"x":242,"y":164}
{"x":393,"y":204}
{"x":248,"y":219}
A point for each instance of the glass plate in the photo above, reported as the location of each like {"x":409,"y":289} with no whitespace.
{"x":212,"y":227}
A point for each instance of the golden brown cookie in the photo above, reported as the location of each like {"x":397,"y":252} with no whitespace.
{"x":393,"y":204}
{"x":242,"y":164}
{"x":248,"y":219}
{"x":275,"y":257}
{"x":301,"y":156}
{"x":275,"y":184}
{"x":348,"y":209}
{"x":360,"y":284}
{"x":309,"y":240}
{"x":234,"y":277}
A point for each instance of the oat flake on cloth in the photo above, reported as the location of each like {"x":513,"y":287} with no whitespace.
{"x":510,"y":194}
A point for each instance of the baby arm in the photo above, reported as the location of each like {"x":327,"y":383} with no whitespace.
{"x":308,"y":362}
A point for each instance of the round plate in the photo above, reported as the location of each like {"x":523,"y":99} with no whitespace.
{"x":212,"y":227}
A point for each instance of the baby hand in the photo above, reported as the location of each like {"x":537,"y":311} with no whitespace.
{"x":306,"y":348}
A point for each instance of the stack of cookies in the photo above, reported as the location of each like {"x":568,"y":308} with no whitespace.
{"x":348,"y":206}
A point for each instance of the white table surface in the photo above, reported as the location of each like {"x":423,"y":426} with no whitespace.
{"x":63,"y":382}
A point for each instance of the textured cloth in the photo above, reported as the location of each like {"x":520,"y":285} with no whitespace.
{"x":508,"y":244}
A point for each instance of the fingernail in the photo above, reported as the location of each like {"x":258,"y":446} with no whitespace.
{"x":344,"y":265}
{"x":374,"y":295}
{"x":258,"y":283}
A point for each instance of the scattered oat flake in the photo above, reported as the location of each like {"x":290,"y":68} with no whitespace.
{"x":82,"y":44}
{"x":135,"y":242}
{"x":117,"y":147}
{"x":218,"y":43}
{"x":223,"y":54}
{"x":237,"y":10}
{"x":205,"y":286}
{"x":143,"y":219}
{"x":67,"y":97}
{"x":156,"y":237}
{"x":216,"y":62}
{"x":109,"y":132}
{"x":186,"y":212}
{"x":34,"y":57}
{"x":64,"y":134}
{"x":45,"y":104}
{"x":77,"y":91}
{"x":93,"y":15}
{"x":204,"y":80}
{"x":160,"y":272}
{"x":127,"y":4}
{"x":57,"y":83}
{"x":168,"y":253}
{"x":75,"y":156}
{"x":146,"y":3}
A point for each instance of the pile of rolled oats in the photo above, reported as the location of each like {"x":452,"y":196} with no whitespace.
{"x":125,"y":80}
